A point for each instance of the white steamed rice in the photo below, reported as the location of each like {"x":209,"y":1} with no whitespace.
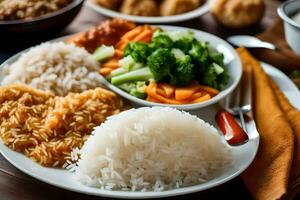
{"x":150,"y":149}
{"x":57,"y":67}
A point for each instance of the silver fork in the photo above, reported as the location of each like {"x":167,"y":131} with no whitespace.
{"x":239,"y":102}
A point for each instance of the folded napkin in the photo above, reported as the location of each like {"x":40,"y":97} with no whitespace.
{"x":275,"y":171}
{"x":283,"y":58}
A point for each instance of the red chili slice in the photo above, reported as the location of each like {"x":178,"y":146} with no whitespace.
{"x":232,"y":131}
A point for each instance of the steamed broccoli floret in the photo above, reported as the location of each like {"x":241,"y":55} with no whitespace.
{"x":183,"y":72}
{"x":139,"y":51}
{"x":142,"y":74}
{"x":160,"y":63}
{"x":182,"y":39}
{"x":136,"y":89}
{"x":214,"y":76}
{"x":129,"y":64}
{"x":161,"y":40}
{"x":179,"y":35}
{"x":199,"y":52}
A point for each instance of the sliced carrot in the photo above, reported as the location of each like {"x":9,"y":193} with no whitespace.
{"x":196,"y":95}
{"x":105,"y":71}
{"x":122,"y":44}
{"x":184,"y":93}
{"x":201,"y":99}
{"x":133,"y":33}
{"x":143,"y":37}
{"x":210,"y":90}
{"x":118,"y":53}
{"x":153,"y":99}
{"x":168,"y":89}
{"x":112,"y":63}
{"x":152,"y":92}
{"x":161,"y":92}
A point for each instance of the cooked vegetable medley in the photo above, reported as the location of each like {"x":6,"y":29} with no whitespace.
{"x":165,"y":67}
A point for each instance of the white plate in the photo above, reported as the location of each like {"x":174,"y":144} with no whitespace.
{"x":157,"y":20}
{"x":242,"y":155}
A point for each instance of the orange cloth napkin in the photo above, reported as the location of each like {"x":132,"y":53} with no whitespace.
{"x":275,"y":171}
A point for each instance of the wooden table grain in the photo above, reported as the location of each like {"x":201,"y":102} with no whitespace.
{"x":15,"y":185}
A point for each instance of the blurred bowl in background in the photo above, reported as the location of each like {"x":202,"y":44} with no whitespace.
{"x":49,"y":23}
{"x":291,"y":28}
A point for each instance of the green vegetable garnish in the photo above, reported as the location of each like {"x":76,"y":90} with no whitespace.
{"x":129,"y":64}
{"x":142,"y":74}
{"x":183,"y":72}
{"x":138,"y":51}
{"x":136,"y":89}
{"x":103,"y":52}
{"x":160,"y":62}
{"x":295,"y":76}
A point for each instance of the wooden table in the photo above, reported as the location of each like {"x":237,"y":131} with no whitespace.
{"x":15,"y":185}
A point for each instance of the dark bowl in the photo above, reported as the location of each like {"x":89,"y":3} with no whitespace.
{"x":46,"y":24}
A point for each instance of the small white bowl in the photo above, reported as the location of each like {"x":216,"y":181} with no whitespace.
{"x":291,"y":28}
{"x":232,"y":62}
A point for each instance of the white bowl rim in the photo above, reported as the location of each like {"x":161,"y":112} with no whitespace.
{"x":283,"y":15}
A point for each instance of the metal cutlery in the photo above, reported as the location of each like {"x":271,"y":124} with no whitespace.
{"x":249,"y":42}
{"x":237,"y":105}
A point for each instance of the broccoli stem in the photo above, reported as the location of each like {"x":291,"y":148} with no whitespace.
{"x":143,"y":74}
{"x":117,"y":72}
{"x":103,"y":52}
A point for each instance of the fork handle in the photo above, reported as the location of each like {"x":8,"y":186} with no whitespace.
{"x":232,"y":131}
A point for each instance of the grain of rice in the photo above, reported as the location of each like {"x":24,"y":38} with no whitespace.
{"x":42,"y":125}
{"x":57,"y":67}
{"x":138,"y":150}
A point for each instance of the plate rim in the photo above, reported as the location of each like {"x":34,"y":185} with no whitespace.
{"x":202,"y":10}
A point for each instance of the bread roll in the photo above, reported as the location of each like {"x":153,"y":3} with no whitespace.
{"x":140,"y":7}
{"x":238,"y":13}
{"x":174,"y":7}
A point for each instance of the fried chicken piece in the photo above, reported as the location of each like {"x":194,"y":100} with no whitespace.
{"x":108,"y":33}
{"x":110,"y":4}
{"x":238,"y":13}
{"x":46,"y":127}
{"x":174,"y":7}
{"x":140,"y":7}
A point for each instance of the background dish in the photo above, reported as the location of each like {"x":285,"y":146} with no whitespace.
{"x":167,"y":19}
{"x":50,"y":22}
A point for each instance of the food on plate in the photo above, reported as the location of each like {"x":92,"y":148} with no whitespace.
{"x":28,"y":9}
{"x":238,"y":13}
{"x":57,"y":67}
{"x":110,"y":4}
{"x":163,"y":66}
{"x":175,"y":7}
{"x":138,"y":150}
{"x":46,"y":127}
{"x":151,"y":7}
{"x":108,"y":33}
{"x":140,"y":7}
